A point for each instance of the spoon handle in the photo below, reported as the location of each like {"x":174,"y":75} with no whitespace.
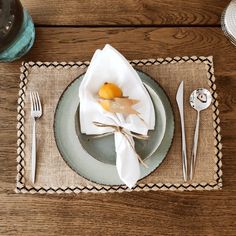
{"x":194,"y":148}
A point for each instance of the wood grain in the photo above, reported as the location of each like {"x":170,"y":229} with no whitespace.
{"x":129,"y":12}
{"x":136,"y":213}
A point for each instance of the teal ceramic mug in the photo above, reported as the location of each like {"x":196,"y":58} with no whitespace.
{"x":17,"y":31}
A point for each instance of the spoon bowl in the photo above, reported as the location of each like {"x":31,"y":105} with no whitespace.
{"x":200,"y":99}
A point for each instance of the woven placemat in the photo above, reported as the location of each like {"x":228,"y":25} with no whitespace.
{"x":54,"y":176}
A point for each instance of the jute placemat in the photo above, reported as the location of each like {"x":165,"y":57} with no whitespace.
{"x":54,"y":176}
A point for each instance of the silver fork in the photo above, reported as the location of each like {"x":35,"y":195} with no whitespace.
{"x":36,"y":112}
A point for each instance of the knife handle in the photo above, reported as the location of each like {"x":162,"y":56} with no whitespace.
{"x":184,"y":153}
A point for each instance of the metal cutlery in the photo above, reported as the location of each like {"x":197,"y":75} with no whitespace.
{"x":180,"y":102}
{"x":36,"y":113}
{"x":200,"y":99}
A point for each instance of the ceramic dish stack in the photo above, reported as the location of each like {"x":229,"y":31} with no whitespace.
{"x":96,"y":159}
{"x":228,"y":21}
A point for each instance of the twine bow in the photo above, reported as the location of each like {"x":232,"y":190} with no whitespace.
{"x":126,"y":134}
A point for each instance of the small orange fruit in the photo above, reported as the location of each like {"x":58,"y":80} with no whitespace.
{"x":109,"y":91}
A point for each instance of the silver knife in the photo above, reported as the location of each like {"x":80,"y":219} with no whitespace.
{"x":180,"y":102}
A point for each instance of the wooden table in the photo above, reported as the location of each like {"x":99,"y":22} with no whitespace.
{"x":72,"y":30}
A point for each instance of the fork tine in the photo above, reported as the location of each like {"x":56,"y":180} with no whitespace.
{"x":35,"y":101}
{"x":31,"y":101}
{"x":39,"y":102}
{"x":32,"y":95}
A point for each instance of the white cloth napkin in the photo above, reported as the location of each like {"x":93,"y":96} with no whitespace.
{"x":108,"y":65}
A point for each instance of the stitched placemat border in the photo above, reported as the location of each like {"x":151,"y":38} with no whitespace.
{"x":20,"y":180}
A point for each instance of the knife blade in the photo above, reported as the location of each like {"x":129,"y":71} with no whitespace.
{"x":180,"y":102}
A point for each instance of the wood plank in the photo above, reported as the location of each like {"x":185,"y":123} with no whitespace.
{"x":136,"y":213}
{"x":129,"y":12}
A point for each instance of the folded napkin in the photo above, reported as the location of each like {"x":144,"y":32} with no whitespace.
{"x":108,"y":65}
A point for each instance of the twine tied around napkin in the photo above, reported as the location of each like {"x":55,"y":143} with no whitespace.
{"x":126,"y":133}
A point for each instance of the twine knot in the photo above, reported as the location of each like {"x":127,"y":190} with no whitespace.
{"x":125,"y":132}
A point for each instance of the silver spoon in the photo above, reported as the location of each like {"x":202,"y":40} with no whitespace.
{"x":200,"y":99}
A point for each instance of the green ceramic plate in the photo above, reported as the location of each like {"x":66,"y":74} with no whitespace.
{"x":94,"y":159}
{"x":97,"y":147}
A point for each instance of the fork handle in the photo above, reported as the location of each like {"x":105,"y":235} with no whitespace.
{"x":33,"y":151}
